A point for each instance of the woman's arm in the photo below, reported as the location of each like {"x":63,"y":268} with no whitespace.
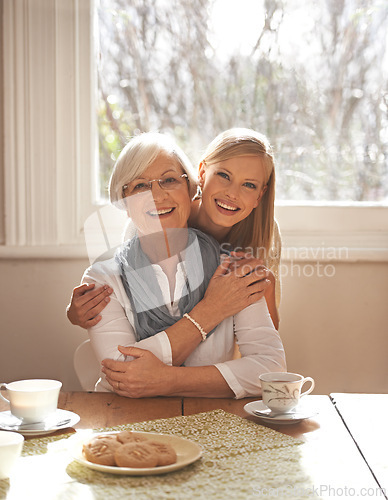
{"x":227,"y":293}
{"x":114,"y":328}
{"x":270,"y":297}
{"x":147,"y":376}
{"x":260,"y":345}
{"x":88,"y":301}
{"x":271,"y":292}
{"x":273,"y":263}
{"x":261,"y":351}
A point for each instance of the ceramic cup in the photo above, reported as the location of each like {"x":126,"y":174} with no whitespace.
{"x":281,"y":391}
{"x":32,"y":400}
{"x":11,"y":444}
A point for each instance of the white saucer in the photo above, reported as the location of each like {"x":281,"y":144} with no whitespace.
{"x":293,"y":417}
{"x":61,"y":419}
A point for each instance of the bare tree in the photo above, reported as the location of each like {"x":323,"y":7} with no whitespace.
{"x":322,"y":102}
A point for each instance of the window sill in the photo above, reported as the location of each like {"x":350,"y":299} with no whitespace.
{"x":310,"y":233}
{"x":291,"y":252}
{"x":62,"y":252}
{"x":333,"y":232}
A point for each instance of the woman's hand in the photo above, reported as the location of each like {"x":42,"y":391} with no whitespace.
{"x":245,"y":261}
{"x":233,"y":287}
{"x":144,"y":376}
{"x":241,"y":260}
{"x":86,"y":303}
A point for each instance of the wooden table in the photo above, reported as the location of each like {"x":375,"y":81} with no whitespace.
{"x":365,"y":416}
{"x":106,"y":409}
{"x":328,"y":456}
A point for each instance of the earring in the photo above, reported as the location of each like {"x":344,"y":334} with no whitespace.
{"x":198,"y":194}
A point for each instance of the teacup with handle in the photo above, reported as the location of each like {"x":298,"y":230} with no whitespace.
{"x":32,"y":400}
{"x":281,"y":391}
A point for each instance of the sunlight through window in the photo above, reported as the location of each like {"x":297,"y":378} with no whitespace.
{"x":312,"y":76}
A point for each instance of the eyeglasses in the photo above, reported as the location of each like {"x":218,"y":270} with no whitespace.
{"x":168,"y":183}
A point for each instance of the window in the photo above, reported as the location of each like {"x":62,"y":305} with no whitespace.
{"x":50,"y":131}
{"x":310,"y":75}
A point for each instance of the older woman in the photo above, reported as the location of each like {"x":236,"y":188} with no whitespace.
{"x":165,"y":310}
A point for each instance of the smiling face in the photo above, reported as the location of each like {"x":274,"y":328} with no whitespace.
{"x":158,"y":209}
{"x":231,"y":189}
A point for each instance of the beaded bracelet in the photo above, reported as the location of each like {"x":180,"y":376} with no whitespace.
{"x":201,"y":330}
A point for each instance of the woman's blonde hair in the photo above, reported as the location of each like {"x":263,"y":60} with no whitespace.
{"x":138,"y":155}
{"x":255,"y":231}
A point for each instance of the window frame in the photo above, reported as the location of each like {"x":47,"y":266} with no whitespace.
{"x":50,"y":149}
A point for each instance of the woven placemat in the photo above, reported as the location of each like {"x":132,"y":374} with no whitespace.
{"x":241,"y":459}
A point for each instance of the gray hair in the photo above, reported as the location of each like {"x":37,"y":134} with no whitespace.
{"x":138,"y":155}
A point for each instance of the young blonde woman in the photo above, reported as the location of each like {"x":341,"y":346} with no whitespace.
{"x":234,"y":204}
{"x":163,"y":333}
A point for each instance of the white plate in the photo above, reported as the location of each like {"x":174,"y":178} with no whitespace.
{"x":297,"y":415}
{"x":187,"y":452}
{"x":52,"y":423}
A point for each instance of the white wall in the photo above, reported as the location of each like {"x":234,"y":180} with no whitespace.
{"x":333,"y":328}
{"x":37,"y":339}
{"x":336,"y":329}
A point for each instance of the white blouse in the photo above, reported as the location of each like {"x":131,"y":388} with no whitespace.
{"x":259,"y":343}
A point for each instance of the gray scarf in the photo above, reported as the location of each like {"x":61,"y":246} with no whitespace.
{"x":199,"y":259}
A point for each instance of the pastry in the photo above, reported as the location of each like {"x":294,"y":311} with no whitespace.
{"x":101,"y":450}
{"x":130,"y":437}
{"x":166,"y":453}
{"x":138,"y":455}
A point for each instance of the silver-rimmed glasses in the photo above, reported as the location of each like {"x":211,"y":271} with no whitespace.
{"x":169,"y":182}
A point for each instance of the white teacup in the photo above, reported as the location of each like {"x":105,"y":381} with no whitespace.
{"x":281,"y":391}
{"x":32,"y":400}
{"x":11,"y":444}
